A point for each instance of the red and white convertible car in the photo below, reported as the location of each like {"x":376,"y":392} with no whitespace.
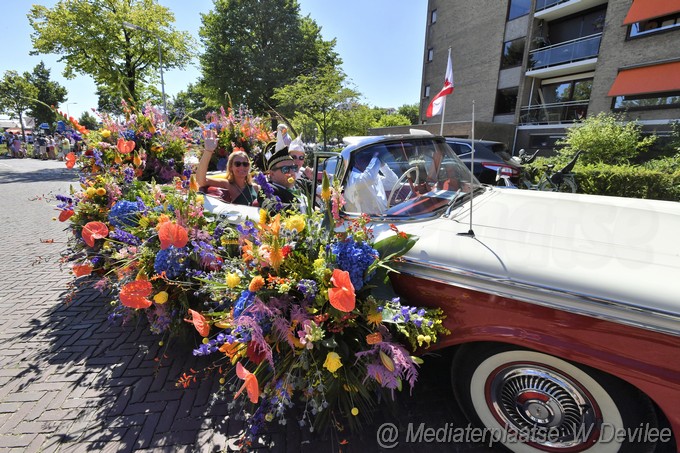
{"x":564,"y":308}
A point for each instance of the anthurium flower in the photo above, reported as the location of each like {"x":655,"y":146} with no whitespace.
{"x":332,"y":362}
{"x":70,"y":160}
{"x":199,"y":322}
{"x":82,"y":269}
{"x":94,"y":230}
{"x":250,"y":383}
{"x":342,"y":297}
{"x":65,"y":215}
{"x":135,"y":293}
{"x":125,"y":146}
{"x":172,"y":234}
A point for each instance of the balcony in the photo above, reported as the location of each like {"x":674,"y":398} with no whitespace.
{"x":554,"y":9}
{"x":565,"y":57}
{"x":555,"y":113}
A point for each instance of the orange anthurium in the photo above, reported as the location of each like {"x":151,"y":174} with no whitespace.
{"x":65,"y":214}
{"x":70,"y":160}
{"x":125,"y":146}
{"x":82,"y":269}
{"x":94,"y":230}
{"x":199,"y":322}
{"x":342,"y":297}
{"x":135,"y":294}
{"x":172,"y":234}
{"x":250,"y":385}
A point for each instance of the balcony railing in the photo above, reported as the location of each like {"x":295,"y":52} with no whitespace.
{"x":545,"y":4}
{"x":555,"y":113}
{"x":566,"y":52}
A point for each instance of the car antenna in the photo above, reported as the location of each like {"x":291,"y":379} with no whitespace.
{"x":470,"y":232}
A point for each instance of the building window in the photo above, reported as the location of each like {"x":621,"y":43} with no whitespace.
{"x":575,"y":90}
{"x":433,"y":16}
{"x":430,"y":54}
{"x":506,"y":101}
{"x":518,"y":8}
{"x":647,"y":101}
{"x":651,"y":26}
{"x":426,"y":93}
{"x":513,"y":53}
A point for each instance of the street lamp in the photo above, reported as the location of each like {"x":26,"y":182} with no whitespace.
{"x":67,"y":111}
{"x":160,"y":59}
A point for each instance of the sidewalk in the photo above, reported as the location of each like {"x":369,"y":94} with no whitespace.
{"x":72,"y":381}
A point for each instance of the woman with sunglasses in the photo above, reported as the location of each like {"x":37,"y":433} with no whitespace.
{"x":237,"y":187}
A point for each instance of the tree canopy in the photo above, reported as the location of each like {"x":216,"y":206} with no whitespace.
{"x":253,"y":47}
{"x":17,"y":95}
{"x":50,"y":93}
{"x":92,"y":40}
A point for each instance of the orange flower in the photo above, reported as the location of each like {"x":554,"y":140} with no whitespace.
{"x":250,"y":383}
{"x":65,"y":215}
{"x":135,"y":293}
{"x":275,"y":256}
{"x":193,"y":184}
{"x":125,"y":146}
{"x":94,"y":230}
{"x":199,"y":322}
{"x":256,"y":284}
{"x":161,"y":220}
{"x":172,"y":234}
{"x":342,"y":297}
{"x":374,"y":338}
{"x":82,"y":269}
{"x":70,"y":160}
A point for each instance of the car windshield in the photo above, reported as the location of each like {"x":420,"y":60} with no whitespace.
{"x":411,"y":177}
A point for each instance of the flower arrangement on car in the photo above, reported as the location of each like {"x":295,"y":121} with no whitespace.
{"x":283,"y":303}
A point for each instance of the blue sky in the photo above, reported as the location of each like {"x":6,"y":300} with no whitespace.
{"x":380,"y":41}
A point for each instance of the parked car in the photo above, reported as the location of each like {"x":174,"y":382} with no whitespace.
{"x":563,"y":308}
{"x":490,"y":158}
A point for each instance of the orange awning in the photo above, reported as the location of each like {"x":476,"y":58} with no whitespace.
{"x":658,"y":78}
{"x":648,"y":9}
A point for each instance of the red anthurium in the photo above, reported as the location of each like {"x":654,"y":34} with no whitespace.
{"x":65,"y":214}
{"x":342,"y":297}
{"x":125,"y":146}
{"x":82,"y":269}
{"x":199,"y":322}
{"x":94,"y":230}
{"x":70,"y":160}
{"x":172,"y":234}
{"x":250,"y":385}
{"x":135,"y":294}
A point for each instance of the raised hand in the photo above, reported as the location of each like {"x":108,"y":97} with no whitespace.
{"x":210,"y":140}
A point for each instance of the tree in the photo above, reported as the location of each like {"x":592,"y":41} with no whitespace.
{"x":17,"y":96}
{"x":253,"y":47}
{"x":606,"y":138}
{"x":89,"y":121}
{"x":90,"y":36}
{"x":410,"y":111}
{"x":50,"y":94}
{"x":320,"y":96}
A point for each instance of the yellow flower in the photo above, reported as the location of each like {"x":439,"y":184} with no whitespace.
{"x":137,"y":160}
{"x":200,"y":199}
{"x":355,"y":411}
{"x":263,"y":216}
{"x":101,"y":191}
{"x":233,"y":280}
{"x":161,"y":298}
{"x":256,"y":284}
{"x":193,"y":185}
{"x":295,"y":222}
{"x":106,"y":133}
{"x":90,"y":192}
{"x":332,"y":362}
{"x":325,"y":188}
{"x":374,"y":318}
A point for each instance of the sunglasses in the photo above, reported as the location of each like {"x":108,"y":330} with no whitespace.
{"x":297,"y":157}
{"x":287,"y":168}
{"x":238,"y":163}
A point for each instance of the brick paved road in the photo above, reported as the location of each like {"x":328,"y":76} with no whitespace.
{"x":71,"y":381}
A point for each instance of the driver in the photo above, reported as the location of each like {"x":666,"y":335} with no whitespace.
{"x":365,"y":191}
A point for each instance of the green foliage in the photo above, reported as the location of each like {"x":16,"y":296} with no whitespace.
{"x":91,"y":39}
{"x":253,"y":47}
{"x":629,"y":181}
{"x":17,"y":95}
{"x":393,"y":120}
{"x":50,"y":93}
{"x":89,"y":121}
{"x":410,"y":111}
{"x":606,"y":138}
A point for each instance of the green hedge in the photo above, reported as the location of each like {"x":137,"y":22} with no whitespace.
{"x":628,"y":181}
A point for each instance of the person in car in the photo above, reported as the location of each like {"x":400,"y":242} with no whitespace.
{"x":282,"y":195}
{"x":237,"y":185}
{"x":365,"y":191}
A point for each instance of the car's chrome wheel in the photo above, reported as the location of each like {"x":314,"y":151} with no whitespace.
{"x":534,"y":402}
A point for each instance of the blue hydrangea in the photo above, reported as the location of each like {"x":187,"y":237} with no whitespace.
{"x":173,"y":261}
{"x":243,"y":302}
{"x":124,"y":213}
{"x":354,"y":257}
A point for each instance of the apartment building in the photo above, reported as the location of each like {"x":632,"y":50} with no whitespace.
{"x":533,"y":68}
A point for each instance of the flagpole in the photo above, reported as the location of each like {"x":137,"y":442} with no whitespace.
{"x":441,"y":127}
